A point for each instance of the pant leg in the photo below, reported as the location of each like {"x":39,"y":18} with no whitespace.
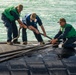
{"x":24,"y":35}
{"x":70,"y":43}
{"x":9,"y":33}
{"x":38,"y":36}
{"x":8,"y":25}
{"x":15,"y":31}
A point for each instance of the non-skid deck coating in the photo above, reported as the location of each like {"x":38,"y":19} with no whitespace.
{"x":42,"y":62}
{"x":5,"y":48}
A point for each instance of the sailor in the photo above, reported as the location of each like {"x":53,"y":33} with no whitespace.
{"x":31,"y":20}
{"x":66,"y":32}
{"x":9,"y":16}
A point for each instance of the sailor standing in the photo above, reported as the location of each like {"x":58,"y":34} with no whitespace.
{"x":31,"y":20}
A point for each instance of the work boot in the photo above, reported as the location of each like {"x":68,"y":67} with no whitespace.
{"x":9,"y":43}
{"x":25,"y":43}
{"x":42,"y":43}
{"x":16,"y":42}
{"x":55,"y":45}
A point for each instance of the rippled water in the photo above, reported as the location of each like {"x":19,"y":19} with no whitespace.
{"x":49,"y":11}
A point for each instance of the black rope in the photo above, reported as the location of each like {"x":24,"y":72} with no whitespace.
{"x":21,"y":53}
{"x":17,"y":36}
{"x":46,"y":36}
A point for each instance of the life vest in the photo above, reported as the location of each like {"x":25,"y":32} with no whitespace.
{"x":72,"y":32}
{"x":8,"y":14}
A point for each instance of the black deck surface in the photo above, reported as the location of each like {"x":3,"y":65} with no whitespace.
{"x":42,"y":62}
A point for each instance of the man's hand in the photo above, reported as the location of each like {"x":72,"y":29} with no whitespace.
{"x":25,"y":26}
{"x":33,"y":29}
{"x":37,"y":32}
{"x":53,"y":41}
{"x":21,"y":24}
{"x":44,"y":34}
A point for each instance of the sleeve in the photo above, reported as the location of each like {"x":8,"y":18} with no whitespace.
{"x":58,"y":34}
{"x":39,"y":21}
{"x":15,"y":15}
{"x":67,"y":29}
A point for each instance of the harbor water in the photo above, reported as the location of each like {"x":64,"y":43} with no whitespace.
{"x":50,"y":11}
